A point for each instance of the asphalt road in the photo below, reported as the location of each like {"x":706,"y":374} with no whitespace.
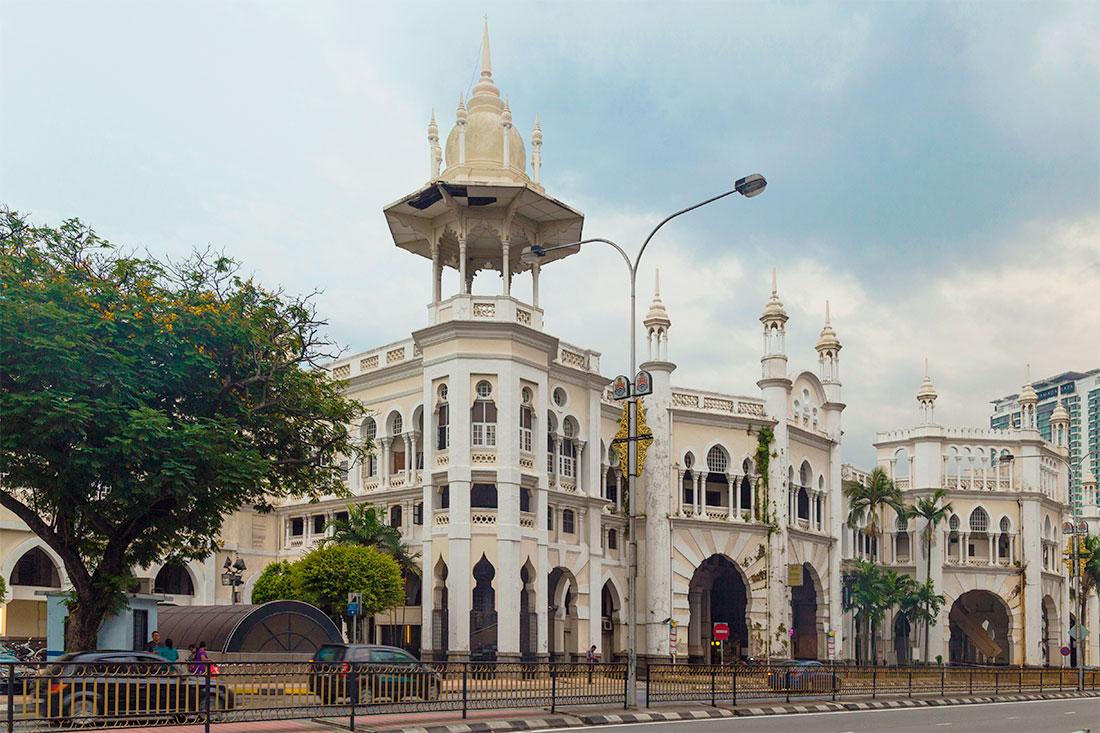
{"x":1047,"y":716}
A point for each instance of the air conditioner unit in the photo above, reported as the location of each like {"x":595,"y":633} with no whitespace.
{"x":145,"y":585}
{"x":607,"y":625}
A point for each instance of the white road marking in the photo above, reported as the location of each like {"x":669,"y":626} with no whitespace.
{"x":1013,"y":717}
{"x":939,"y":724}
{"x":1072,"y":712}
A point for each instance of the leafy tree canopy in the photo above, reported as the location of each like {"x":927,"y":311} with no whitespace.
{"x":274,"y":584}
{"x":325,"y":576}
{"x":142,"y":401}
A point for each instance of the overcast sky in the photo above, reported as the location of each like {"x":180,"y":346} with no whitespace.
{"x":933,"y":168}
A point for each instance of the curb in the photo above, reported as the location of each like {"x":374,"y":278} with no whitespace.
{"x":828,"y":707}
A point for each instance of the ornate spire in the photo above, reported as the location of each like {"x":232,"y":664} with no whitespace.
{"x":1027,"y":394}
{"x":433,"y":143}
{"x":460,"y":114}
{"x":657,"y":315}
{"x":485,"y":91}
{"x":774,"y":311}
{"x":828,"y":340}
{"x":536,"y":151}
{"x":927,"y":392}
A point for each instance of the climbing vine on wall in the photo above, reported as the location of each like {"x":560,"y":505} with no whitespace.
{"x":762,"y":458}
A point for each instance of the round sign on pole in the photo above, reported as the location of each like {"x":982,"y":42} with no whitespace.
{"x":1065,"y":651}
{"x":721,"y":631}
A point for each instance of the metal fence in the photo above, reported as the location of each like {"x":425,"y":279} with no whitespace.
{"x":65,"y":695}
{"x":730,"y":684}
{"x":69,"y":695}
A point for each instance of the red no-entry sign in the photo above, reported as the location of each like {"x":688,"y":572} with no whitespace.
{"x":721,"y":631}
{"x":1065,"y":651}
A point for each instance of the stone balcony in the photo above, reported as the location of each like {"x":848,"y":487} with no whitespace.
{"x":502,"y":308}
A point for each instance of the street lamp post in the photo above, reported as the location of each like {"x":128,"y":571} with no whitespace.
{"x":1075,"y":571}
{"x":234,"y":571}
{"x":749,"y":186}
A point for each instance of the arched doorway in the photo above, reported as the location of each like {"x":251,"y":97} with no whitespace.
{"x":804,"y":617}
{"x":609,"y":620}
{"x":903,"y":648}
{"x":717,"y":593}
{"x":980,"y":623}
{"x":1050,"y":638}
{"x":440,"y":627}
{"x":528,"y":619}
{"x":562,"y":619}
{"x":483,"y":613}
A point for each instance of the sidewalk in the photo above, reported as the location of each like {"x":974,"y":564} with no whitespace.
{"x":522,"y":719}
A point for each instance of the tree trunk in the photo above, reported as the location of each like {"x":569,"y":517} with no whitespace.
{"x":82,"y":633}
{"x":927,"y":619}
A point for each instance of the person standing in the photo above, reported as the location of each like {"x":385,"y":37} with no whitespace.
{"x":590,"y":657}
{"x":169,"y":651}
{"x":153,"y":646}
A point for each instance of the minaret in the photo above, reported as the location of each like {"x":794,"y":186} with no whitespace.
{"x":1059,"y":428}
{"x":1028,"y":401}
{"x":656,"y":484}
{"x":536,"y":151}
{"x":775,"y":388}
{"x":828,"y":357}
{"x":433,"y":144}
{"x":460,"y":126}
{"x":926,"y":397}
{"x":506,"y":125}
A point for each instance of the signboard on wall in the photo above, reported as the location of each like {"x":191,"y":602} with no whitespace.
{"x":794,"y":575}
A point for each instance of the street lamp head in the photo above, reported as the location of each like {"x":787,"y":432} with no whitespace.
{"x":532,"y":255}
{"x":751,"y":185}
{"x":228,"y":563}
{"x":239,"y":565}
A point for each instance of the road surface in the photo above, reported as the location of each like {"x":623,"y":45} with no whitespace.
{"x":1048,"y":716}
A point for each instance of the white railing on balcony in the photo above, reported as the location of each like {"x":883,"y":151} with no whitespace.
{"x":714,"y":402}
{"x":442,"y":517}
{"x":482,"y":517}
{"x":369,"y":361}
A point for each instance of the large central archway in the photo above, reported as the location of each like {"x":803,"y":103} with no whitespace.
{"x":980,"y":623}
{"x":717,"y":593}
{"x":804,"y":614}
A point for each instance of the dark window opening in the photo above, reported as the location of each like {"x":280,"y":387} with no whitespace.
{"x":567,"y":519}
{"x":483,"y":496}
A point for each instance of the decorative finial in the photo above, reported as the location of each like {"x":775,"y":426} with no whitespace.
{"x":461,"y":113}
{"x":926,"y":367}
{"x":657,"y":283}
{"x":1029,"y":373}
{"x":433,"y":129}
{"x":486,"y":64}
{"x":826,"y":313}
{"x":506,"y":115}
{"x":773,"y":281}
{"x":536,"y":134}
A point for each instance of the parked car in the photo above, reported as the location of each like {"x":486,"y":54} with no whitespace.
{"x":803,"y":675}
{"x":124,"y":684}
{"x":379,"y":672}
{"x":9,"y":664}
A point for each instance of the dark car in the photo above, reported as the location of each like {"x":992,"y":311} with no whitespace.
{"x":124,"y":685}
{"x":803,"y":675}
{"x":366,"y":672}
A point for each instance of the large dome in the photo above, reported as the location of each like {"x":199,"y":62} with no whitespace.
{"x":485,"y":142}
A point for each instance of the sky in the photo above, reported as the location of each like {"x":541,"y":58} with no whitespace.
{"x":933,"y":168}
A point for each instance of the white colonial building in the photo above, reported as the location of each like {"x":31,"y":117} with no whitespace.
{"x":998,"y":557}
{"x":492,"y":450}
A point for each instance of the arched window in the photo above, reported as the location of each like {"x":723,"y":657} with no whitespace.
{"x":395,"y":515}
{"x":174,"y":580}
{"x":369,"y":431}
{"x":806,"y":475}
{"x":443,"y":439}
{"x":1006,"y":525}
{"x":36,"y":568}
{"x":717,"y":462}
{"x":398,"y":424}
{"x":568,"y":450}
{"x":483,"y":418}
{"x":567,"y":520}
{"x":612,"y":539}
{"x":746,"y":485}
{"x":902,"y":524}
{"x":979,"y":520}
{"x":526,"y":422}
{"x":549,"y":442}
{"x":803,"y":503}
{"x":953,"y":523}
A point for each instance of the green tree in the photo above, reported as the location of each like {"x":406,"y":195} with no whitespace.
{"x":143,"y":401}
{"x":276,"y":583}
{"x":873,"y":591}
{"x":364,"y":526}
{"x":933,"y":510}
{"x":921,"y":605}
{"x":326,"y":575}
{"x":865,"y":503}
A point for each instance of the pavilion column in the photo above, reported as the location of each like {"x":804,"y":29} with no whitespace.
{"x":464,"y":283}
{"x":579,"y":446}
{"x":409,"y":457}
{"x":603,"y":481}
{"x":437,"y":275}
{"x":535,"y":284}
{"x":506,"y":267}
{"x":618,"y":490}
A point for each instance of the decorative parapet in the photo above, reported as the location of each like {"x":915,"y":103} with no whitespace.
{"x":575,"y":357}
{"x":369,"y":361}
{"x":483,"y":458}
{"x":716,"y":403}
{"x":442,"y":518}
{"x":502,"y":308}
{"x":483,"y":517}
{"x":442,"y":459}
{"x":527,"y":519}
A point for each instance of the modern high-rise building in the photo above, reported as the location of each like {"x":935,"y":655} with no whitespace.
{"x":1079,"y":393}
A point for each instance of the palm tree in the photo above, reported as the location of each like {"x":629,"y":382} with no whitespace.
{"x":932,"y":510}
{"x":865,"y":503}
{"x":874,"y":590}
{"x":921,"y":605}
{"x":366,"y":526}
{"x":1090,"y":566}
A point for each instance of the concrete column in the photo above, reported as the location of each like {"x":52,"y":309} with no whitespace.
{"x":581,"y":484}
{"x":385,"y":471}
{"x":592,"y":523}
{"x":1031,"y":557}
{"x":506,"y":269}
{"x":437,"y":277}
{"x":618,"y":490}
{"x":464,"y":282}
{"x":535,"y":285}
